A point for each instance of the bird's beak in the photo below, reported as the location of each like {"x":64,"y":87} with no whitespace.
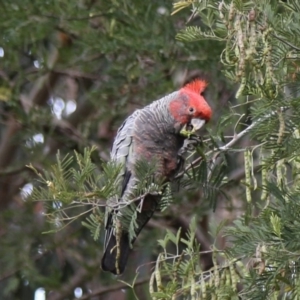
{"x":197,"y":124}
{"x":192,"y":128}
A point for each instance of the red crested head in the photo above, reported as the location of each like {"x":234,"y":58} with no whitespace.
{"x":197,"y":86}
{"x":190,"y":104}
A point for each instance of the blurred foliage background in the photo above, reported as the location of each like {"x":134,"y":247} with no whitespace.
{"x":70,"y":73}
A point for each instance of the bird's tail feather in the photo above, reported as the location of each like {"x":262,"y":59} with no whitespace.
{"x":109,"y":260}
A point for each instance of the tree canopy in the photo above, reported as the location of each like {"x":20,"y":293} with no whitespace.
{"x":70,"y":73}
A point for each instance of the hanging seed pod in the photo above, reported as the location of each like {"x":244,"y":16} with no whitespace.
{"x":151,"y":285}
{"x":216,"y":271}
{"x":233,"y":276}
{"x":247,"y":159}
{"x":252,"y":37}
{"x":253,"y":178}
{"x":264,"y":182}
{"x":242,"y":268}
{"x":193,"y":285}
{"x":241,"y":54}
{"x":241,"y":47}
{"x":271,"y":82}
{"x":280,"y":167}
{"x":241,"y":88}
{"x":118,"y":247}
{"x":227,"y":277}
{"x":281,"y":126}
{"x":223,"y":277}
{"x":203,"y":287}
{"x":157,"y":273}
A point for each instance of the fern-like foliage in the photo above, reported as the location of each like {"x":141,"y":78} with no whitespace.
{"x":73,"y":187}
{"x":261,"y":55}
{"x":181,"y":275}
{"x":271,"y":240}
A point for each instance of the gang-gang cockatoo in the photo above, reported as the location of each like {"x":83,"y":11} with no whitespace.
{"x":154,"y":133}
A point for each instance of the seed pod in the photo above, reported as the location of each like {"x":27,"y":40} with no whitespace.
{"x":118,"y":239}
{"x":203,"y":287}
{"x":193,"y":286}
{"x":227,"y":278}
{"x":151,"y":285}
{"x":216,"y":271}
{"x":252,"y":42}
{"x":247,"y":175}
{"x":241,"y":88}
{"x":233,"y":275}
{"x":223,"y":278}
{"x":264,"y":193}
{"x":157,"y":273}
{"x":242,"y":268}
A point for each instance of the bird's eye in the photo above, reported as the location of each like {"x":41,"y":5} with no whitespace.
{"x":191,"y":109}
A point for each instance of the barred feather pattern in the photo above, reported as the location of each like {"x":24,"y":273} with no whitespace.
{"x":149,"y":133}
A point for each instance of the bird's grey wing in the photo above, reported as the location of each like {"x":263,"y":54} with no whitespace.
{"x":121,"y":153}
{"x":122,"y":150}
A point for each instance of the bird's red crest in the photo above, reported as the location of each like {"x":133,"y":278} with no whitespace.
{"x":197,"y":86}
{"x":190,"y":95}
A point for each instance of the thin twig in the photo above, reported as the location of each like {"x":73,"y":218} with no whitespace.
{"x":10,"y":172}
{"x":76,"y":74}
{"x":235,"y":138}
{"x":115,"y":287}
{"x":89,"y":17}
{"x":286,"y":42}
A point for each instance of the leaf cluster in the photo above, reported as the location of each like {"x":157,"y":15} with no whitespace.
{"x":181,"y":275}
{"x":73,"y":187}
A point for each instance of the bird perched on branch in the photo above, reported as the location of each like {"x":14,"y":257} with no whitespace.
{"x":154,"y":133}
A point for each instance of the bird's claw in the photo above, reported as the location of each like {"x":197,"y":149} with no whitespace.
{"x":190,"y":144}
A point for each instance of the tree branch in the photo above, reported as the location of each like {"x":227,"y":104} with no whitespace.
{"x":115,"y":287}
{"x":234,"y":140}
{"x":68,"y":288}
{"x":286,"y":42}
